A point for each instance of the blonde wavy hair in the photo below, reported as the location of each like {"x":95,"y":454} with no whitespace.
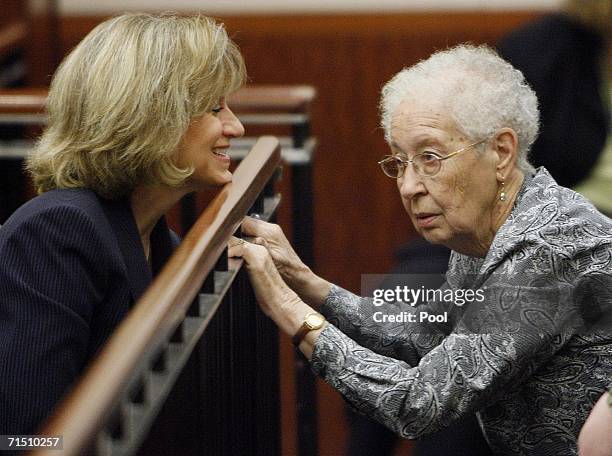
{"x":121,"y":101}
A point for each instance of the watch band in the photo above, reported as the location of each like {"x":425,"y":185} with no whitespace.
{"x":312,"y":322}
{"x":299,"y":336}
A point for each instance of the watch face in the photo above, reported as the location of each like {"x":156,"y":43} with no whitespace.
{"x":314,"y":321}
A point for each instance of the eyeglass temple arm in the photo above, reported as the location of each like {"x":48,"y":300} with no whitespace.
{"x":395,"y":157}
{"x":461,"y":150}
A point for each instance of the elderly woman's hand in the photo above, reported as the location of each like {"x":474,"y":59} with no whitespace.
{"x":294,"y":272}
{"x":273,"y":238}
{"x":271,"y":291}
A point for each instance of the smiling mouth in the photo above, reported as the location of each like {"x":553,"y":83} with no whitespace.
{"x":220,"y":152}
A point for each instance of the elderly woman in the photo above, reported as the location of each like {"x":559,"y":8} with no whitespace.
{"x":137,"y":119}
{"x":529,"y":354}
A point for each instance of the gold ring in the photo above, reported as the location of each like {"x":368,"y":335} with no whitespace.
{"x":241,"y":241}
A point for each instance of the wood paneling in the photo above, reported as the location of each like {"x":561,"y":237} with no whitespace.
{"x":12,"y":36}
{"x":44,"y":45}
{"x":12,"y":11}
{"x":13,"y":32}
{"x":359,"y":220}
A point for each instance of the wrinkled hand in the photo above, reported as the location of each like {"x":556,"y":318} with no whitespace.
{"x":276,"y":299}
{"x":272,"y":293}
{"x":271,"y":236}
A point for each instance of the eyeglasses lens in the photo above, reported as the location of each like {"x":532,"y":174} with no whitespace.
{"x":426,"y":164}
{"x":392,"y":167}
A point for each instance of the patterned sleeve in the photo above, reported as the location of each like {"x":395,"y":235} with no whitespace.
{"x":360,"y":319}
{"x":494,"y":348}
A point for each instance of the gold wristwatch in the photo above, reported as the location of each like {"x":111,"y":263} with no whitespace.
{"x":312,"y":321}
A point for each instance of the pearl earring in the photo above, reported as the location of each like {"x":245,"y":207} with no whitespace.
{"x":502,"y":195}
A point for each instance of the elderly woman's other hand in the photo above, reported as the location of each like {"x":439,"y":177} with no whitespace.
{"x":272,"y":237}
{"x":595,"y":437}
{"x":271,"y":291}
{"x":294,"y":272}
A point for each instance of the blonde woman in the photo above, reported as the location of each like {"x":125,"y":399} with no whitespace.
{"x":137,"y":119}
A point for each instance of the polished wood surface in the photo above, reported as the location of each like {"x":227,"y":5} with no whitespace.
{"x":272,"y":98}
{"x":26,"y":100}
{"x":163,"y":305}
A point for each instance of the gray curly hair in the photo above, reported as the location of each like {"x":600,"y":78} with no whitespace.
{"x":481,"y":92}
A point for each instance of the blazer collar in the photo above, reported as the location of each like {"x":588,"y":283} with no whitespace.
{"x":469,"y":271}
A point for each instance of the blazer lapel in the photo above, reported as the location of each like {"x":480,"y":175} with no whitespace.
{"x":122,"y":221}
{"x":162,"y":245}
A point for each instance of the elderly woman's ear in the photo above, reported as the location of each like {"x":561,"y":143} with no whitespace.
{"x":505,"y":144}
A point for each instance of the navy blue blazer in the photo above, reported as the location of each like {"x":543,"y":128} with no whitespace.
{"x":71,"y":265}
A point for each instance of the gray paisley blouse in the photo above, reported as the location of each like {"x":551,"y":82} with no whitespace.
{"x":531,"y":360}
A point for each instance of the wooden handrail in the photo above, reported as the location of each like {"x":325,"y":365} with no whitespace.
{"x":264,"y":98}
{"x":23,"y":100}
{"x":162,"y":307}
{"x":255,"y":98}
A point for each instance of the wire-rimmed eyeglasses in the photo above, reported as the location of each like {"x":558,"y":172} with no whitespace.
{"x":425,"y":164}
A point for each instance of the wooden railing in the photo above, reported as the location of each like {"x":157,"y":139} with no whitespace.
{"x":229,"y":374}
{"x":258,"y":104}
